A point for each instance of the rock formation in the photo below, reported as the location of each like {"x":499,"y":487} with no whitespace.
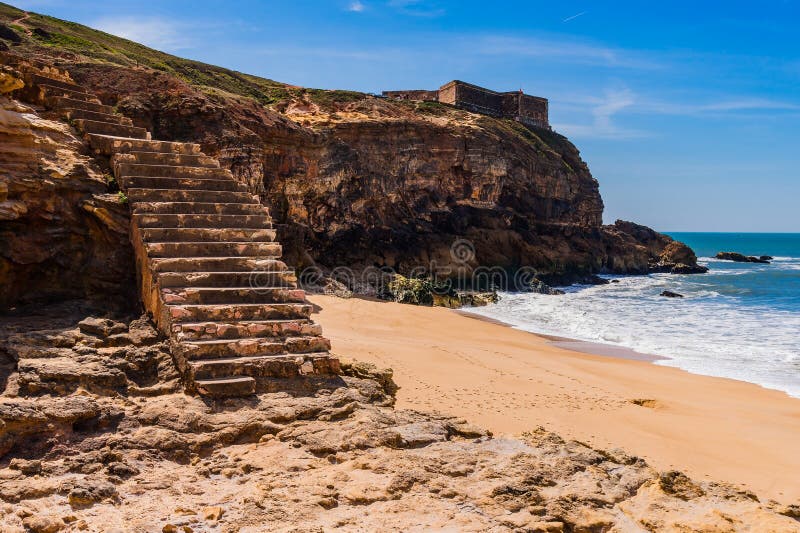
{"x":61,"y":234}
{"x":741,"y":258}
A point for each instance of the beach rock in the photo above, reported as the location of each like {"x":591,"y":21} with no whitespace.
{"x":766,"y":257}
{"x":741,"y":258}
{"x":670,"y":294}
{"x":478,"y":299}
{"x":539,"y":287}
{"x":43,"y":524}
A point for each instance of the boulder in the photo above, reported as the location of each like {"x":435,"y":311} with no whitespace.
{"x":741,"y":258}
{"x":540,"y":287}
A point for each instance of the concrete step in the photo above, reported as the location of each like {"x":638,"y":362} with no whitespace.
{"x":255,"y":279}
{"x":61,"y":102}
{"x":137,"y":195}
{"x":208,"y":235}
{"x":200,"y":208}
{"x":226,"y":387}
{"x":108,"y":128}
{"x":213,"y":249}
{"x":51,"y":91}
{"x":185,"y":184}
{"x":231,"y":295}
{"x":196,"y":331}
{"x":75,"y":114}
{"x":227,"y":313}
{"x":216,"y":264}
{"x":159,"y":220}
{"x":258,"y":366}
{"x":110,"y":144}
{"x":224,"y":349}
{"x":170,"y":171}
{"x":187,"y":160}
{"x":38,"y":79}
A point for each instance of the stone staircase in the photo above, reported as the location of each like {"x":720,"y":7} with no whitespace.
{"x":208,"y":265}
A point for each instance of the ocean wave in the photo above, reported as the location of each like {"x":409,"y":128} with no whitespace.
{"x":710,"y":331}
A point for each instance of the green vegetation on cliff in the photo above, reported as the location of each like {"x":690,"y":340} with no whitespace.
{"x":42,"y":34}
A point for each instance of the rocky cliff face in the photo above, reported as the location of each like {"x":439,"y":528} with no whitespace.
{"x":61,"y":235}
{"x":359,"y":181}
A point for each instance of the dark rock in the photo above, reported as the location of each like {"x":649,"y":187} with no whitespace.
{"x":101,"y":327}
{"x":741,"y":258}
{"x":540,"y":287}
{"x":592,"y":280}
{"x":670,"y":294}
{"x":766,"y":257}
{"x":681,"y":268}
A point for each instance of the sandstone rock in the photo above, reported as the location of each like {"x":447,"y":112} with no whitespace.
{"x":88,"y":492}
{"x":213,"y":512}
{"x":43,"y":524}
{"x":101,"y":327}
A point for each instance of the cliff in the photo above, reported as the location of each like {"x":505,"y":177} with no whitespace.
{"x":359,"y":181}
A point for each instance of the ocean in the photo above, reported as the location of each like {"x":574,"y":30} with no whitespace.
{"x":740,"y":320}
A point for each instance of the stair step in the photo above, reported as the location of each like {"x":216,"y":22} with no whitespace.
{"x":255,"y":279}
{"x":51,"y":91}
{"x":61,"y":102}
{"x":76,"y":114}
{"x":226,"y":387}
{"x":225,"y":349}
{"x":109,"y":128}
{"x":261,"y":366}
{"x":136,"y":195}
{"x":194,"y":331}
{"x":231,"y":295}
{"x":209,"y":235}
{"x":111,"y":144}
{"x":213,"y":249}
{"x":122,"y":168}
{"x":160,"y":220}
{"x":38,"y":79}
{"x":222,"y":313}
{"x":216,"y":264}
{"x":200,"y":208}
{"x":186,"y":184}
{"x":186,"y":160}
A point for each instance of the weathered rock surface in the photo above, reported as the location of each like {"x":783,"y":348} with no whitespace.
{"x":103,"y":456}
{"x":61,"y":235}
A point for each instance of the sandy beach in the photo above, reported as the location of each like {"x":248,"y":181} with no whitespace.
{"x":511,"y":381}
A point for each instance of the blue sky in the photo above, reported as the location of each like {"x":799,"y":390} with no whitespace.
{"x":687,"y":112}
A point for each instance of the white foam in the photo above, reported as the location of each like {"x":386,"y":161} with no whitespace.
{"x":706,"y":332}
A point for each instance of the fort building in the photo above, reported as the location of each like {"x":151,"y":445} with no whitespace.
{"x":516,"y":105}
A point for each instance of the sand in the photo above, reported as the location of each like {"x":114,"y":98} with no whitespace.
{"x":511,"y":381}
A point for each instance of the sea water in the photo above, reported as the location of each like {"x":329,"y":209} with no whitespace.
{"x":740,"y":320}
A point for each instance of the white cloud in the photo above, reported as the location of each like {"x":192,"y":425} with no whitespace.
{"x":154,"y":32}
{"x":603,"y":110}
{"x":356,"y":7}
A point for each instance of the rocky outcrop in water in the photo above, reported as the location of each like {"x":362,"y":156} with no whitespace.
{"x":741,"y":258}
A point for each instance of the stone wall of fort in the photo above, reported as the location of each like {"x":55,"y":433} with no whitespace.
{"x":530,"y":110}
